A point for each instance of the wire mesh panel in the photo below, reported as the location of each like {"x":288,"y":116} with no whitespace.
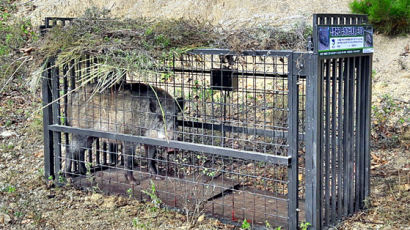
{"x":210,"y":132}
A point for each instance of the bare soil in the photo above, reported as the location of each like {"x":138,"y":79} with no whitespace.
{"x":29,"y":201}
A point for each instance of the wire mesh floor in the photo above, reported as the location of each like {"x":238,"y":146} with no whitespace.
{"x":218,"y":196}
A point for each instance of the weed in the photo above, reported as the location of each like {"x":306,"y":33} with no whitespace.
{"x":18,"y":214}
{"x":10,"y":189}
{"x":61,"y":179}
{"x":8,"y":123}
{"x":40,"y":172}
{"x":130,"y":192}
{"x":154,"y":198}
{"x":305,"y":225}
{"x":245,"y":224}
{"x":136,"y":223}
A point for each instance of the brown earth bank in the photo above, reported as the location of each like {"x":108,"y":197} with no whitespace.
{"x":28,"y":201}
{"x":391,"y":63}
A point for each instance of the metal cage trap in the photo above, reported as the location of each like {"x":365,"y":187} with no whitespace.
{"x":267,"y":136}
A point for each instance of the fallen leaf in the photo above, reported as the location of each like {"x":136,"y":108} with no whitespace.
{"x":201,"y":218}
{"x":39,"y":154}
{"x":404,"y":187}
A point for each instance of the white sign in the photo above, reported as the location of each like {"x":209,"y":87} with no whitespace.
{"x":337,"y":43}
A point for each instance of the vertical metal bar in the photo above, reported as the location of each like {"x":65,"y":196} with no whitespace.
{"x":367,"y":93}
{"x":363,"y":102}
{"x":340,"y":140}
{"x":55,"y":92}
{"x":104,"y":153}
{"x":97,"y":152}
{"x":327,"y":142}
{"x":334,"y":101}
{"x":315,"y":33}
{"x":351,"y":132}
{"x":313,"y":143}
{"x":346,"y":139}
{"x":322,"y":128}
{"x":72,"y":75}
{"x":87,"y":75}
{"x":47,"y":120}
{"x":47,"y":23}
{"x":65,"y":91}
{"x":358,"y":133}
{"x":293,"y":144}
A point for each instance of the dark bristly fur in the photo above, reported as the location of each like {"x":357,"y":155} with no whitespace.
{"x":127,"y":108}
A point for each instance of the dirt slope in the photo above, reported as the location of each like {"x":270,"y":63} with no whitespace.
{"x":391,"y":68}
{"x":225,"y":12}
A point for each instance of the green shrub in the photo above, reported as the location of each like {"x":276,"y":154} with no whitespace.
{"x":390,"y":17}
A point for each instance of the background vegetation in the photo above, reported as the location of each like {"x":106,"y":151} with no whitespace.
{"x":15,"y":35}
{"x":388,"y":16}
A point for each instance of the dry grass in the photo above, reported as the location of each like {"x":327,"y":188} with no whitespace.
{"x":388,"y":205}
{"x":143,"y":45}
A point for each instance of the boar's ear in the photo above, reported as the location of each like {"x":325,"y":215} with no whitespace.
{"x":152,"y":105}
{"x":180,"y":104}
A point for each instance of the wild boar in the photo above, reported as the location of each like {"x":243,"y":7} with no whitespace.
{"x":126,"y":108}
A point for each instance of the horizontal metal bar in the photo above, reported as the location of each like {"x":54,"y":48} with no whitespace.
{"x":236,"y":129}
{"x":280,"y":53}
{"x":239,"y":73}
{"x":228,"y":152}
{"x":341,"y":15}
{"x":322,"y":57}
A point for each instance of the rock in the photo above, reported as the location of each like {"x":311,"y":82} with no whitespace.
{"x":7,"y":134}
{"x":5,"y":219}
{"x":201,"y":218}
{"x":26,"y":221}
{"x":109,"y":203}
{"x":95,"y":197}
{"x":121,"y":201}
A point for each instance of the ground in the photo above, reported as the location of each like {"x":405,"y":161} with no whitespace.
{"x":29,"y":201}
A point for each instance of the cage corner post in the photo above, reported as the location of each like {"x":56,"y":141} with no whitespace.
{"x":367,"y":83}
{"x":313,"y":208}
{"x":293,"y":145}
{"x":48,"y":119}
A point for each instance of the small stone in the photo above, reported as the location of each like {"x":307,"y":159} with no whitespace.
{"x":97,"y":199}
{"x":4,"y":219}
{"x":109,"y":203}
{"x":121,"y":201}
{"x":201,"y":218}
{"x":26,"y":221}
{"x":13,"y":205}
{"x":7,"y":134}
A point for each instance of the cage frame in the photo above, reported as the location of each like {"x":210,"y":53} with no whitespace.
{"x":320,"y":210}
